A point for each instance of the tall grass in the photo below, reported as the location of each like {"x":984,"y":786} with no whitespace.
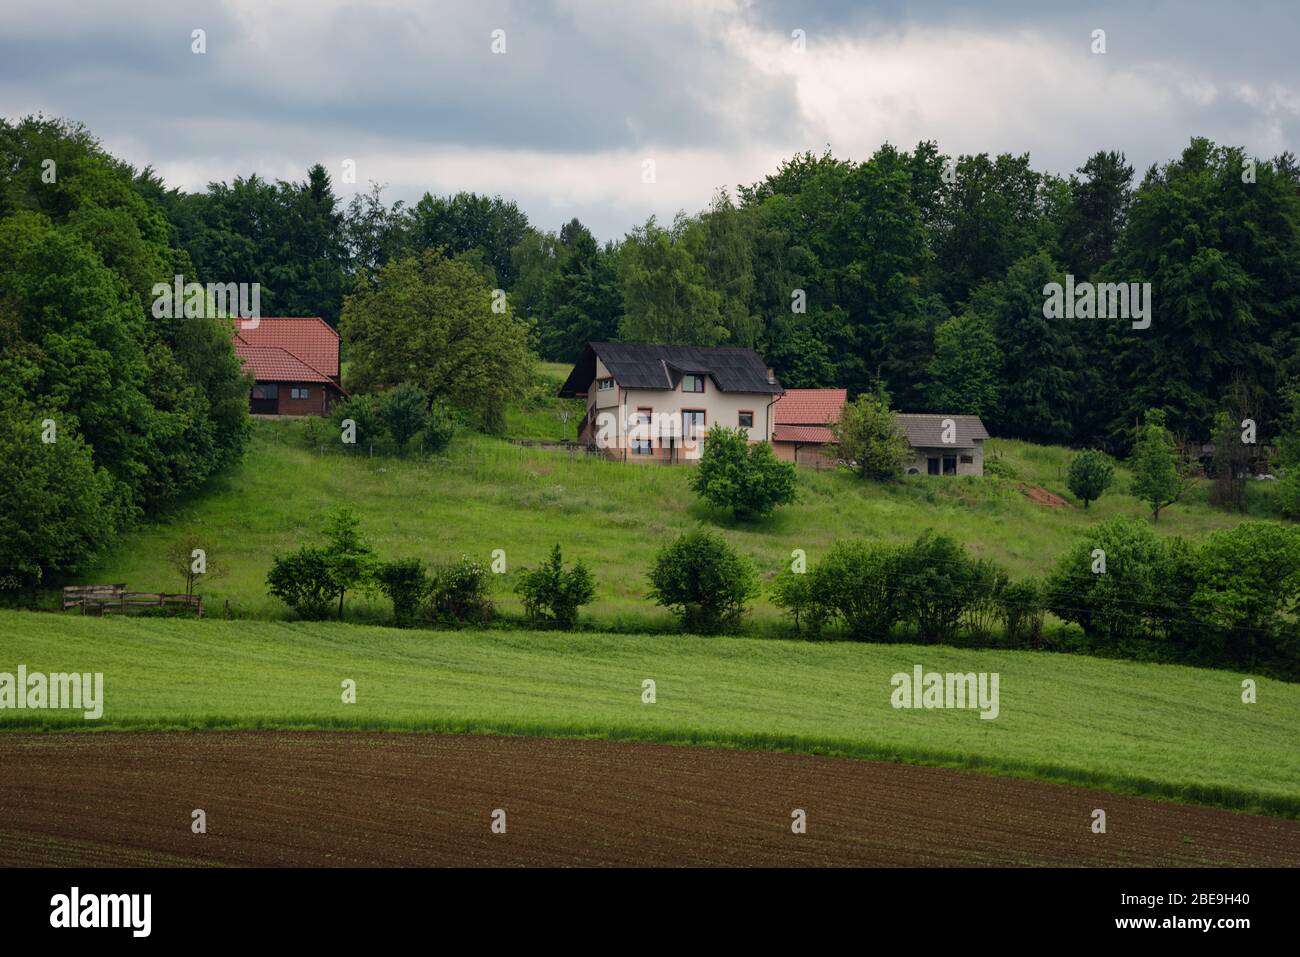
{"x":1163,"y":730}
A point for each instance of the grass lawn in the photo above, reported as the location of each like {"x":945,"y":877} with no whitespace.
{"x":1150,"y":729}
{"x":485,"y":494}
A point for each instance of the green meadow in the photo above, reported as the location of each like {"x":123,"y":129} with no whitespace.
{"x":1160,"y":730}
{"x":485,"y":494}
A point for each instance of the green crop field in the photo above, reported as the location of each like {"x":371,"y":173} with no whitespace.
{"x":486,"y":494}
{"x":1151,"y":729}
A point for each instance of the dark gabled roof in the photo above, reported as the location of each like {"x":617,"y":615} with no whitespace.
{"x":925,"y":430}
{"x":639,"y":366}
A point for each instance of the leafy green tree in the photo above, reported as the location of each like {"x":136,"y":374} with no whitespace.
{"x":553,"y":594}
{"x":859,"y":584}
{"x":666,"y":298}
{"x":1045,"y":380}
{"x":405,"y":412}
{"x":1222,"y":256}
{"x":1248,"y":592}
{"x":868,"y":437}
{"x":582,"y":300}
{"x":439,"y":428}
{"x":1157,"y":478}
{"x":1098,"y":208}
{"x":742,"y":476}
{"x":1091,"y":473}
{"x":459,"y":593}
{"x":990,"y":218}
{"x":941,"y":582}
{"x":406,"y":584}
{"x":162,"y":402}
{"x":704,"y":581}
{"x":965,"y":371}
{"x":57,"y":509}
{"x":793,"y":592}
{"x":1116,"y":603}
{"x":431,"y":321}
{"x":465,"y":222}
{"x":305,"y":581}
{"x":350,"y":557}
{"x":721,"y":240}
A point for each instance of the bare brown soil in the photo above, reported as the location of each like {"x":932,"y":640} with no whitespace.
{"x":321,"y":798}
{"x":1042,"y":496}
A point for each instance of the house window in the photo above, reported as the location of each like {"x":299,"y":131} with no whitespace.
{"x":605,"y":384}
{"x":692,"y":383}
{"x":303,"y":393}
{"x":266,"y":390}
{"x":747,"y":420}
{"x":692,"y":424}
{"x":641,"y":435}
{"x":968,"y":460}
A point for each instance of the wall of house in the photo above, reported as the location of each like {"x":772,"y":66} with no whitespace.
{"x":720,"y":408}
{"x":314,"y":404}
{"x":919,"y":462}
{"x":623,"y":404}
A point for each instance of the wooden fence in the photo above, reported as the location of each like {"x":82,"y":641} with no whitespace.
{"x":98,"y":599}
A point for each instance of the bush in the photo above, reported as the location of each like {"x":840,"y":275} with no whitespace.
{"x":439,"y":428}
{"x":1022,"y":613}
{"x":858,"y":584}
{"x":748,"y":479}
{"x":867,"y":436}
{"x":367,"y":411}
{"x":793,"y":592}
{"x":553,"y":595}
{"x":1091,"y":473}
{"x":1288,"y":492}
{"x":702,"y":580}
{"x":940,"y":583}
{"x":1118,"y":604}
{"x":984,"y":609}
{"x":458,"y":593}
{"x":405,"y":410}
{"x":312,"y":574}
{"x":406,"y":584}
{"x":304,"y":580}
{"x":1247,"y":593}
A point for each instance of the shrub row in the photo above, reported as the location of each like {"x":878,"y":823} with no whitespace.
{"x":1231,"y":601}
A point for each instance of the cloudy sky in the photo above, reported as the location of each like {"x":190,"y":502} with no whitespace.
{"x":715,"y":92}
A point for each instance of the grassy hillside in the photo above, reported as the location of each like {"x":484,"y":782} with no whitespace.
{"x":1112,"y":724}
{"x":486,"y":494}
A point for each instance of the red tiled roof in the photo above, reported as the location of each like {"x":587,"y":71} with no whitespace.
{"x":309,"y":339}
{"x":801,"y":433}
{"x":810,"y":407}
{"x":273,"y":364}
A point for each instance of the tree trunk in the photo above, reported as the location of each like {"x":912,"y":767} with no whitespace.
{"x":340,"y":606}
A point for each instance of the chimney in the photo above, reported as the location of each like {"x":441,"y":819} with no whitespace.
{"x":771,"y":376}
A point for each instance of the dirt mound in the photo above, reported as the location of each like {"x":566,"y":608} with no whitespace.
{"x":322,"y":798}
{"x":1042,"y":496}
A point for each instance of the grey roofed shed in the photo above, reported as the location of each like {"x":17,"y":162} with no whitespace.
{"x":641,"y":366}
{"x":925,"y":430}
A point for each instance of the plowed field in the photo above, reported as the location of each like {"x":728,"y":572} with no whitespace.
{"x":331,"y":798}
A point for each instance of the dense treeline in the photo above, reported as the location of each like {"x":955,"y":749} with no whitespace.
{"x":106,"y":412}
{"x":915,"y":273}
{"x":912,"y":275}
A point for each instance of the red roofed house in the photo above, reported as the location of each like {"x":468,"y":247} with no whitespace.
{"x":803,"y":419}
{"x":294,"y":364}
